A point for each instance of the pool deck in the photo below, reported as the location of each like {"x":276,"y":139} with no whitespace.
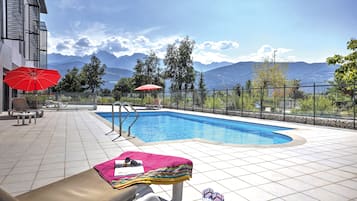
{"x":63,"y":143}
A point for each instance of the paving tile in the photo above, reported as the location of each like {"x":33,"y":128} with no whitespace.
{"x":236,"y":171}
{"x":341,"y":173}
{"x":350,"y":169}
{"x":254,"y":179}
{"x":42,"y":182}
{"x":298,"y":197}
{"x":50,"y":173}
{"x":270,"y":165}
{"x":51,"y":166}
{"x":303,"y":169}
{"x":222,"y":165}
{"x":16,"y":178}
{"x":253,"y":168}
{"x":255,"y":194}
{"x":238,"y":162}
{"x":289,"y":172}
{"x":283,"y":163}
{"x":74,"y":170}
{"x":322,"y":194}
{"x":14,"y":188}
{"x":328,"y":176}
{"x":25,"y":169}
{"x":253,"y":160}
{"x":349,"y":183}
{"x":234,"y":184}
{"x":5,"y":172}
{"x":78,"y":163}
{"x":276,"y":189}
{"x":315,"y":181}
{"x":217,"y":175}
{"x":341,"y":190}
{"x":295,"y":184}
{"x":297,"y":160}
{"x":272,"y":175}
{"x":203,"y":167}
{"x":233,"y":196}
{"x":199,"y":178}
{"x":191,"y":194}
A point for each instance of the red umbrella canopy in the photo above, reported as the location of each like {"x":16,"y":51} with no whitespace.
{"x":148,"y":87}
{"x":31,"y":79}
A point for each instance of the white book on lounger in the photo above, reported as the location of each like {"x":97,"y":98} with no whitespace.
{"x":121,"y":170}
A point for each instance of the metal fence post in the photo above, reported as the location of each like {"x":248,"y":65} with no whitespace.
{"x":284,"y":103}
{"x":184,"y":101}
{"x":193,"y":100}
{"x":177,"y":99}
{"x":214,"y":93}
{"x":314,"y":105}
{"x":163,"y":97}
{"x":261,"y":102}
{"x":227,"y":101}
{"x":241,"y":110}
{"x":354,"y":105}
{"x":202,"y":101}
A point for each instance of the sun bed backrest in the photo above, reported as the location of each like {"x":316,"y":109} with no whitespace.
{"x":20,"y":104}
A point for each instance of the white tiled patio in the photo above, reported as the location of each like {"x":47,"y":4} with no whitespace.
{"x":63,"y":143}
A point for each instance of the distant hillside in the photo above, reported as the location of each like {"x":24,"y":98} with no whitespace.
{"x":117,"y":67}
{"x":206,"y":67}
{"x":124,"y":62}
{"x":111,"y":77}
{"x":217,"y":75}
{"x":229,"y":76}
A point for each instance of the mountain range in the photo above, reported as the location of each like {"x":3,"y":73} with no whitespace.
{"x":217,"y":75}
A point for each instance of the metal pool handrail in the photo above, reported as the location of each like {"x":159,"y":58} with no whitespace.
{"x":121,"y":120}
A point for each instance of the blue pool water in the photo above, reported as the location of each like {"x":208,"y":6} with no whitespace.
{"x":163,"y":126}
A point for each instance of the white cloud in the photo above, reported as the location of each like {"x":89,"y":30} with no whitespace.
{"x":266,"y":52}
{"x":97,"y":37}
{"x":218,"y":45}
{"x":206,"y":57}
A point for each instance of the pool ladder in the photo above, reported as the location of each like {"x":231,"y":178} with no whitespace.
{"x":125,"y":106}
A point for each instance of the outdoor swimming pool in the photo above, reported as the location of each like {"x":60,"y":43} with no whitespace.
{"x":165,"y":126}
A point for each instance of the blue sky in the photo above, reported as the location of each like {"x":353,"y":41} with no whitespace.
{"x":226,"y":30}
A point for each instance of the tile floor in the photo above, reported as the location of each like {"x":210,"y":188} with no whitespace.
{"x":64,"y":143}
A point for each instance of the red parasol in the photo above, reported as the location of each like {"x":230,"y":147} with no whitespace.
{"x":31,"y":79}
{"x":148,"y":87}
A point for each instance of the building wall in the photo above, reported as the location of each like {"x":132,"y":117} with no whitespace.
{"x":20,"y":39}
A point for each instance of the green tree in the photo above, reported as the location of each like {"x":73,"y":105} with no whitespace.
{"x":92,"y":74}
{"x":346,"y":74}
{"x":294,"y":91}
{"x":248,"y":87}
{"x":179,"y":65}
{"x":267,"y":74}
{"x":151,"y":68}
{"x":270,"y":75}
{"x":148,"y":71}
{"x":124,"y":85}
{"x":202,"y":89}
{"x":139,"y":74}
{"x":238,"y":89}
{"x":71,"y":81}
{"x":105,"y":92}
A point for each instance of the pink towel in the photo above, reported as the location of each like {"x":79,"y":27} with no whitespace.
{"x":150,"y":162}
